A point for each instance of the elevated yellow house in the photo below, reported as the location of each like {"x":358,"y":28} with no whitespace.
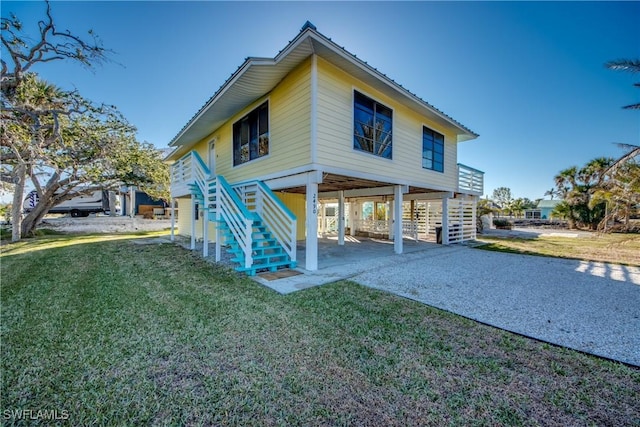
{"x":285,"y":135}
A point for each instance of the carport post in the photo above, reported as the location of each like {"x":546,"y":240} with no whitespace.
{"x":205,"y":231}
{"x":193,"y":222}
{"x":397,"y":223}
{"x":445,"y":221}
{"x":311,"y":260}
{"x":218,"y":231}
{"x":173,"y":220}
{"x":341,"y":217}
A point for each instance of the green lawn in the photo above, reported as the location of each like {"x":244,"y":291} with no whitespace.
{"x":113,"y":332}
{"x":617,"y":248}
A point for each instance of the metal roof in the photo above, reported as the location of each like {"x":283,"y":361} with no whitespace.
{"x":548,"y":203}
{"x":258,"y":76}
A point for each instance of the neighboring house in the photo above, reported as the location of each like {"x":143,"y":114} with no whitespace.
{"x":140,"y":201}
{"x":543,"y":210}
{"x":317,"y":126}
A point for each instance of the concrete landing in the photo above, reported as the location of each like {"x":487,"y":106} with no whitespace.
{"x":336,"y":262}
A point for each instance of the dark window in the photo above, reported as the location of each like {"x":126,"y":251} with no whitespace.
{"x":432,"y":150}
{"x":372,"y":126}
{"x":251,"y":136}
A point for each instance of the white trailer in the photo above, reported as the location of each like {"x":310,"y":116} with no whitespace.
{"x":79,"y":206}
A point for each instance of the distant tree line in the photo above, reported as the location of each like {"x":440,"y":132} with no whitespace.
{"x":605,"y":191}
{"x":604,"y":194}
{"x":503,"y":203}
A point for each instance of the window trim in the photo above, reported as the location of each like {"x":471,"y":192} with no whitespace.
{"x":422,"y":158}
{"x":353,"y":121}
{"x":256,"y":106}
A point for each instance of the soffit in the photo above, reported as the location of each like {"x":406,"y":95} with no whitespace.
{"x":334,"y":182}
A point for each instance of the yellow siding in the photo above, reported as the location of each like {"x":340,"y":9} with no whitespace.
{"x":289,"y":131}
{"x":296,"y":203}
{"x":335,"y":134}
{"x":184,"y":220}
{"x":184,"y":216}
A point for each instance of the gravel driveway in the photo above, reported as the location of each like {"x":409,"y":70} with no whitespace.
{"x":588,"y":306}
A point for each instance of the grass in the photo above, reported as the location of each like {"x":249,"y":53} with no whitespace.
{"x":612,"y":248}
{"x":113,"y":332}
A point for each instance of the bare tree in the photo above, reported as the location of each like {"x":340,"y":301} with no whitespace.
{"x":20,"y":54}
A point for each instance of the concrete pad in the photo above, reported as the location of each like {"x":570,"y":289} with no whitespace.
{"x":340,"y":262}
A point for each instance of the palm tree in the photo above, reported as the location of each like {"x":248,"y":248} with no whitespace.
{"x":630,"y":65}
{"x":576,"y":185}
{"x":565,"y":181}
{"x":518,"y":207}
{"x":552,"y":192}
{"x":563,"y":211}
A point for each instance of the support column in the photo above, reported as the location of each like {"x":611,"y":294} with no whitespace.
{"x":173,"y":219}
{"x":311,"y":261}
{"x":218,"y":219}
{"x":445,"y":221}
{"x":193,"y":222}
{"x":397,"y":224}
{"x":323,"y":221}
{"x":354,"y":208}
{"x":390,"y":220}
{"x":132,"y":198}
{"x":474,"y":217}
{"x":341,"y":217}
{"x":205,"y":232}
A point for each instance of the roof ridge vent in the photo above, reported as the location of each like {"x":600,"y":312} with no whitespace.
{"x":308,"y":25}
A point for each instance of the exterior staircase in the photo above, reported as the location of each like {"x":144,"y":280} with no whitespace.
{"x":266,"y":252}
{"x":255,"y":226}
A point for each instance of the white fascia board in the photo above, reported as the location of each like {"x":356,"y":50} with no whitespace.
{"x":229,"y":83}
{"x":248,"y":63}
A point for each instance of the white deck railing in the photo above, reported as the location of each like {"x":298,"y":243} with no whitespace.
{"x":181,"y":176}
{"x":409,"y":228}
{"x":372,"y":225}
{"x":470,"y":180}
{"x":236,"y":215}
{"x":189,"y":169}
{"x":328,"y":224}
{"x":282,"y":223}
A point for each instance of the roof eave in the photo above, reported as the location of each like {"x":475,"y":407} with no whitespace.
{"x":311,"y":34}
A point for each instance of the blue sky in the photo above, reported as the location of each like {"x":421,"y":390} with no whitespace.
{"x":529,"y":77}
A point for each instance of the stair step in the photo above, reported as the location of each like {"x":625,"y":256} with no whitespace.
{"x":251,"y":271}
{"x":268,"y":240}
{"x":267,"y":253}
{"x":258,"y":258}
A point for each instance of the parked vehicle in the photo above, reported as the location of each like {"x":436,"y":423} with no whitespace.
{"x":80,"y":206}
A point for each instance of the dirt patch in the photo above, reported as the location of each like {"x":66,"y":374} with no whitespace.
{"x":105,"y":224}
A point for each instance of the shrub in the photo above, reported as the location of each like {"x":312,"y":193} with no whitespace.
{"x":501,"y":223}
